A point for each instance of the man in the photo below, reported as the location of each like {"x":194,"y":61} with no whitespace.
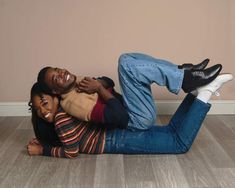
{"x":88,"y":99}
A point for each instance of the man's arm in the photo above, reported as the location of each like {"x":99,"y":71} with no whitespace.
{"x":115,"y":114}
{"x":106,"y":82}
{"x":90,"y":86}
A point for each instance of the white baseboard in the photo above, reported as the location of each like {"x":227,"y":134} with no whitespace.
{"x":163,"y":107}
{"x":218,"y":106}
{"x":14,"y":109}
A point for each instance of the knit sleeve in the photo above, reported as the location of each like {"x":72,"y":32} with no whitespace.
{"x":55,"y":152}
{"x":66,"y":131}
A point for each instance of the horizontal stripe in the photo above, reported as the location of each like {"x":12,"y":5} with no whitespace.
{"x":77,"y":136}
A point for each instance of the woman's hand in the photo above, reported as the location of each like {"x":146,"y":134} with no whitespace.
{"x":89,"y":85}
{"x":35,"y":149}
{"x":34,"y":141}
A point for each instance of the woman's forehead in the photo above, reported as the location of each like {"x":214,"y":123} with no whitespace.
{"x":41,"y":97}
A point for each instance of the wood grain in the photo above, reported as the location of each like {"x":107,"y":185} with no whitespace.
{"x":209,"y":163}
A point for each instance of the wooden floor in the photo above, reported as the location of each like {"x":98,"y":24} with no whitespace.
{"x":209,"y":163}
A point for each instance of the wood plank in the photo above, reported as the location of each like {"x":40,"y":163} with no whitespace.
{"x":7,"y":126}
{"x":224,"y":135}
{"x":167,"y":172}
{"x":138,"y":169}
{"x":225,"y":177}
{"x":81,"y":171}
{"x":144,"y":184}
{"x":229,"y":120}
{"x":51,"y":172}
{"x":21,"y":171}
{"x":2,"y":118}
{"x":229,"y":147}
{"x":233,"y":129}
{"x":213,"y":152}
{"x":13,"y":147}
{"x":196,"y":170}
{"x":109,"y":171}
{"x":218,"y":129}
{"x":25,"y":123}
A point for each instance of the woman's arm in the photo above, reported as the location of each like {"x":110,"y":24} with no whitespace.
{"x":38,"y":149}
{"x":68,"y":137}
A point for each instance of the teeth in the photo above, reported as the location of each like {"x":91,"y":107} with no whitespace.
{"x":67,"y":78}
{"x":47,"y":115}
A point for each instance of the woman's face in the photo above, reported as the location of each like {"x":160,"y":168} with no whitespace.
{"x":46,"y":106}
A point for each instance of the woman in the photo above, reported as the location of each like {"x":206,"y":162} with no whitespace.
{"x":43,"y":130}
{"x":84,"y":137}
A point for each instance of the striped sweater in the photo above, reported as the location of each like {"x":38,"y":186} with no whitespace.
{"x":76,"y":137}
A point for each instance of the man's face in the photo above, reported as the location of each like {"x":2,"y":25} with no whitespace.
{"x":59,"y":81}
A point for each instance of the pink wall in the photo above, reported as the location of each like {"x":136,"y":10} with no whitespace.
{"x":87,"y":37}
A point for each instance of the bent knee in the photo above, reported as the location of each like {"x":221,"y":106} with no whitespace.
{"x":123,"y":59}
{"x":183,"y":149}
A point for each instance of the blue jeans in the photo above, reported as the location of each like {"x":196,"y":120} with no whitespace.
{"x":136,"y":74}
{"x":176,"y":137}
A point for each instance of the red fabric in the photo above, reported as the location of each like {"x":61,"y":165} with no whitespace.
{"x":97,"y":114}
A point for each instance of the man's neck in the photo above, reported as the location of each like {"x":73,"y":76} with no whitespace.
{"x":72,"y":87}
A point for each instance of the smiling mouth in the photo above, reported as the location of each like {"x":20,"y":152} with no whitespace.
{"x":47,"y":115}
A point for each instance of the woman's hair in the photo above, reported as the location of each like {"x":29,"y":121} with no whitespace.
{"x":41,"y":80}
{"x":44,"y":131}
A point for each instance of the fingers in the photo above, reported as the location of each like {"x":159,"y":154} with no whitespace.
{"x":88,"y":78}
{"x":82,"y":86}
{"x":77,"y":89}
{"x":33,"y":149}
{"x":86,"y":81}
{"x":83,"y":83}
{"x":34,"y":141}
{"x":88,"y":85}
{"x":29,"y":149}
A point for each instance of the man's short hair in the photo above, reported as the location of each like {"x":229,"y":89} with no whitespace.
{"x":41,"y":80}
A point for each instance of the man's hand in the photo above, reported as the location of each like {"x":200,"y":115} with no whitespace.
{"x":35,"y":149}
{"x":89,"y":85}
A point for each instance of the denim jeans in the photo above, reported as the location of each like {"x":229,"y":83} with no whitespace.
{"x":136,"y":74}
{"x":176,"y":137}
